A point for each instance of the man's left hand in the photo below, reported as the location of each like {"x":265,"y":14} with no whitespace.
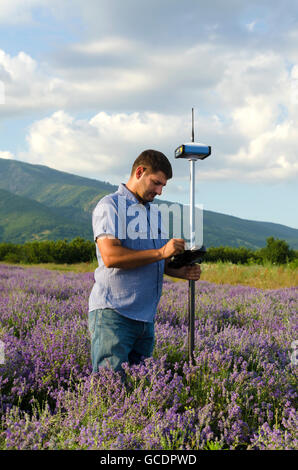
{"x":191,"y":273}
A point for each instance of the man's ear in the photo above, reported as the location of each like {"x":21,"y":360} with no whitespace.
{"x":140,"y":171}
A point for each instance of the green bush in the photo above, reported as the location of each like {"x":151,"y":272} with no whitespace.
{"x":277,"y":252}
{"x":229,"y":254}
{"x":79,"y":250}
{"x":60,"y":252}
{"x":293,"y":264}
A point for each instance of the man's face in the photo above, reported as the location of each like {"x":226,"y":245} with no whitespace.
{"x":151,"y":185}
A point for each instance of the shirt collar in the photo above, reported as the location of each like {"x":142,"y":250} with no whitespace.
{"x":122,"y":189}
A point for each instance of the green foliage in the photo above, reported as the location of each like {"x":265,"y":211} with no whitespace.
{"x":213,"y":445}
{"x":226,"y":253}
{"x":294,"y":264}
{"x":277,"y":251}
{"x":61,"y":251}
{"x":80,"y":250}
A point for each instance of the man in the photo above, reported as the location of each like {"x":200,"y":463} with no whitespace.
{"x":131,"y":265}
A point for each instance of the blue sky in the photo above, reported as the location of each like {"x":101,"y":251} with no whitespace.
{"x":90,"y":84}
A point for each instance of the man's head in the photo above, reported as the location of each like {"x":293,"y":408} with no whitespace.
{"x":150,"y":172}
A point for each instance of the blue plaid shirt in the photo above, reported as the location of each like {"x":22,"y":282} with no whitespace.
{"x":134,"y":293}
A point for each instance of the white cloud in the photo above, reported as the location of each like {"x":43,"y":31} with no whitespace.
{"x":119,"y":75}
{"x":115,"y":74}
{"x":28,"y":86}
{"x":16,"y":11}
{"x":243,"y":124}
{"x":6,"y":154}
{"x":105,"y":146}
{"x":272,"y":155}
{"x":110,"y":45}
{"x":146,"y":79}
{"x":251,"y":26}
{"x":254,"y":117}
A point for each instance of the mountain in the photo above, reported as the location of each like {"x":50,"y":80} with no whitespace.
{"x":24,"y":219}
{"x":40,"y":203}
{"x":227,"y":230}
{"x":60,"y":203}
{"x":51,"y":187}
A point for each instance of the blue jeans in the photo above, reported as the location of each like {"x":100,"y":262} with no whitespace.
{"x":116,"y":339}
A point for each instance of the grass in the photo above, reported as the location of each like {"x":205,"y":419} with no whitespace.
{"x":261,"y":276}
{"x":264,"y":277}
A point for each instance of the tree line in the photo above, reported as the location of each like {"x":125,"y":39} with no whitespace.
{"x":80,"y":250}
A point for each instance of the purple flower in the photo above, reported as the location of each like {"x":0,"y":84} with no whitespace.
{"x":239,"y":393}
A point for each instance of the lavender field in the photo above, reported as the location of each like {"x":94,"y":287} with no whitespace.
{"x":240,"y":394}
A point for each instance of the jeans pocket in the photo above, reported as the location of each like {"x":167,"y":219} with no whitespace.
{"x":108,"y":316}
{"x":92,"y":321}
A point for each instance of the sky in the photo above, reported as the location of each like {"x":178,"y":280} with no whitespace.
{"x":87,"y":85}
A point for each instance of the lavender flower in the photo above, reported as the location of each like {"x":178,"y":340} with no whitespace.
{"x":239,"y":394}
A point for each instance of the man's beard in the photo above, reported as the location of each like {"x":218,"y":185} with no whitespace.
{"x":149,"y":197}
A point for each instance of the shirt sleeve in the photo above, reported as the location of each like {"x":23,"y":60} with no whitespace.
{"x":104,"y":219}
{"x":105,"y":236}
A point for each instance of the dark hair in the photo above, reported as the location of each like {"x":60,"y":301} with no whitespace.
{"x":155,"y":161}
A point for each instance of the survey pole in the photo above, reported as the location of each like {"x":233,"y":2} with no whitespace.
{"x":192,"y":233}
{"x":192,"y":152}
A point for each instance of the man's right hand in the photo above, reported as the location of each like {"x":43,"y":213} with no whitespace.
{"x":174,"y":247}
{"x":114,"y":255}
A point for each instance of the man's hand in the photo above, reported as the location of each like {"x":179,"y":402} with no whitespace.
{"x":191,"y":273}
{"x":114,"y":255}
{"x":174,"y":247}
